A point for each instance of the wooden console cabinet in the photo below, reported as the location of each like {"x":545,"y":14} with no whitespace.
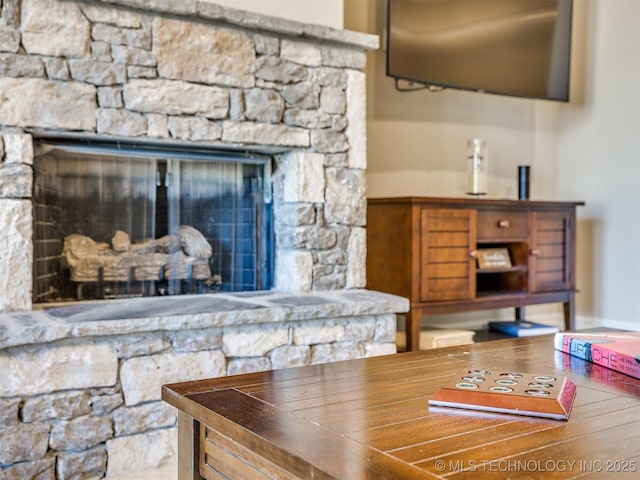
{"x":426,"y":249}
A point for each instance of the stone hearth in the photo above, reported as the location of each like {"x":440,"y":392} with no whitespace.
{"x":80,"y":390}
{"x":80,"y":384}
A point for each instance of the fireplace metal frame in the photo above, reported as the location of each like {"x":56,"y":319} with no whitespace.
{"x":95,"y":146}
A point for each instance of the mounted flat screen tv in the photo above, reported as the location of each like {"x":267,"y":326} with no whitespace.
{"x":519,"y":48}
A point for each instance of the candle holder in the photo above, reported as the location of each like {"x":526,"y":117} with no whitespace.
{"x":477,"y":160}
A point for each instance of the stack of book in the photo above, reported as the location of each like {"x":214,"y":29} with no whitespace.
{"x":619,"y":351}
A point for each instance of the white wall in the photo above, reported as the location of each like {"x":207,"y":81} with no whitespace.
{"x":587,"y":149}
{"x":599,"y":151}
{"x":322,"y":12}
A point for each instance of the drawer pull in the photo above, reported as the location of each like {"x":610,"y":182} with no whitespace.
{"x":473,"y":254}
{"x":535,"y":252}
{"x":503,"y":223}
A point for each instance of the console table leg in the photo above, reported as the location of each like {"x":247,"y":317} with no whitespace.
{"x":569,"y":313}
{"x":519,"y":313}
{"x":412,"y":329}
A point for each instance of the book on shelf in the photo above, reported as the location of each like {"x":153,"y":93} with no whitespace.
{"x":522,"y":328}
{"x":619,"y":351}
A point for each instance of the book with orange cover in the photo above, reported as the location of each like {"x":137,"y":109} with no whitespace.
{"x":619,"y":351}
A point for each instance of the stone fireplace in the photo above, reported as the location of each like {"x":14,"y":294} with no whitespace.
{"x":80,"y":391}
{"x":194,"y":73}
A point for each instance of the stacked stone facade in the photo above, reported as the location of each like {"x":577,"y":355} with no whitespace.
{"x":89,"y":404}
{"x":80,"y":397}
{"x":185,"y":72}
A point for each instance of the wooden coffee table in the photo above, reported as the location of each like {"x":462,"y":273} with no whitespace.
{"x":369,"y":419}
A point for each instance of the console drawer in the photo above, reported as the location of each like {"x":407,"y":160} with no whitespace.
{"x":496,"y":225}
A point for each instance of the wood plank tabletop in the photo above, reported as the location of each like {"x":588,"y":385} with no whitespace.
{"x":370,"y":419}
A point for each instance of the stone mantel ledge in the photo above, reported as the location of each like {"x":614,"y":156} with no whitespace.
{"x":189,"y":312}
{"x":254,"y":21}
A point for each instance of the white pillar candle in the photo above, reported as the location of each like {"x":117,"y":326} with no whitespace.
{"x":476,"y":167}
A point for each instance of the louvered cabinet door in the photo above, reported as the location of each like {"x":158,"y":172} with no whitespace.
{"x":447,"y":243}
{"x":551,"y":255}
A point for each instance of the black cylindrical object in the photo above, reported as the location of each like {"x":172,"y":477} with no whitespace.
{"x":523,"y":182}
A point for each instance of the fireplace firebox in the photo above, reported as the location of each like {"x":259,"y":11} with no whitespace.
{"x":115,"y":219}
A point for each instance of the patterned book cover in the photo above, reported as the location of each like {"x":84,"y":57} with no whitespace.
{"x":619,"y":351}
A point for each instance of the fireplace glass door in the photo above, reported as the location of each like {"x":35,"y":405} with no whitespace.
{"x":114,"y":221}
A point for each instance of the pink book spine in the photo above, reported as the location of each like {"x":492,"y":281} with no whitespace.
{"x":599,"y":353}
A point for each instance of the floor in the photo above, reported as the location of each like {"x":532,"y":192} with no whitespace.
{"x":168,"y":472}
{"x":481,"y":332}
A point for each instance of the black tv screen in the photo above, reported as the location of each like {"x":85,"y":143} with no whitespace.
{"x":519,"y":48}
